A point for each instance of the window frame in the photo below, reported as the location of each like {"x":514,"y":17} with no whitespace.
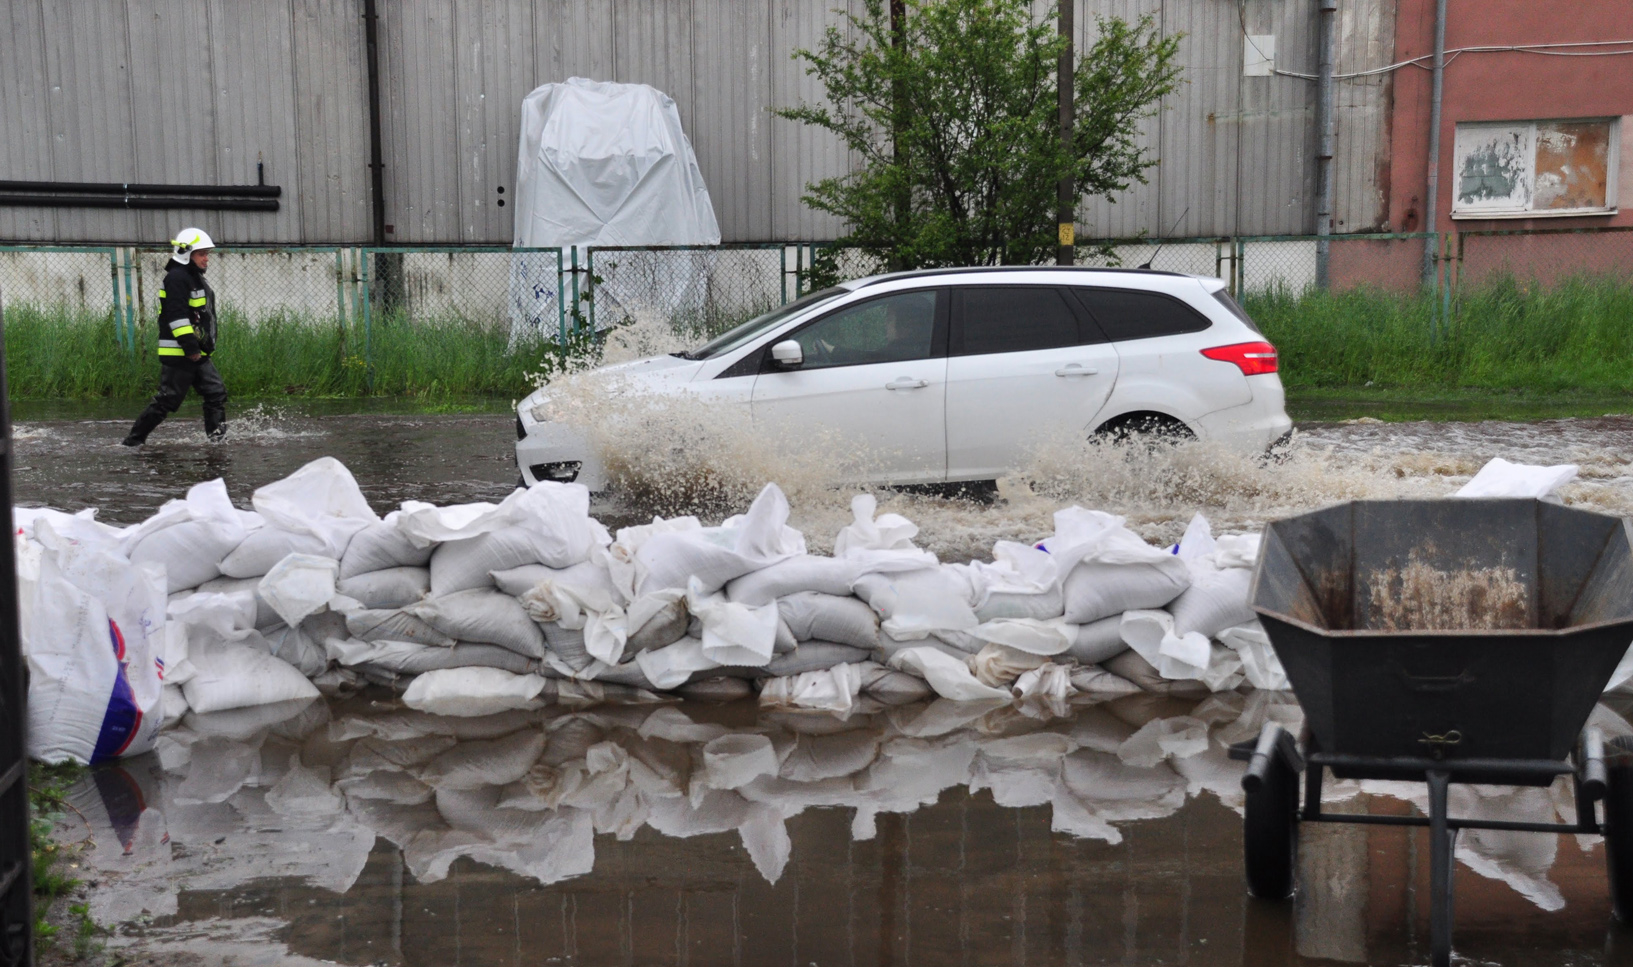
{"x":1088,"y":310}
{"x":1088,"y":331}
{"x":1464,"y":212}
{"x":938,"y":336}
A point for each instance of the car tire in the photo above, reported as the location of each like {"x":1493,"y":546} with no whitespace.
{"x":1150,"y":429}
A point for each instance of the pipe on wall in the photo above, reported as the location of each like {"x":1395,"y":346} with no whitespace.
{"x":377,"y":167}
{"x":1431,"y":203}
{"x":112,"y":188}
{"x":32,"y":200}
{"x":1326,"y":11}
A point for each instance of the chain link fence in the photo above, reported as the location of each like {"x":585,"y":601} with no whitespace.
{"x":694,"y":292}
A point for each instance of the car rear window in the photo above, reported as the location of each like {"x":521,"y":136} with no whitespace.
{"x":1224,"y":299}
{"x":1135,"y":314}
{"x":1011,"y":319}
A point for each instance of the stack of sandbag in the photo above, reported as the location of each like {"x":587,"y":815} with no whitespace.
{"x":531,"y":601}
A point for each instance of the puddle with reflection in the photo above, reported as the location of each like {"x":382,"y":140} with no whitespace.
{"x":357,"y":832}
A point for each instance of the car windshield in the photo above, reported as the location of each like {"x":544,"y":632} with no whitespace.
{"x":734,"y":338}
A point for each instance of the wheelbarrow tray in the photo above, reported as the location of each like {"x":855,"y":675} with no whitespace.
{"x":1383,"y":701}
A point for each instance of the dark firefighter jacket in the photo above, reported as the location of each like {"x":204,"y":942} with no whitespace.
{"x":186,"y":315}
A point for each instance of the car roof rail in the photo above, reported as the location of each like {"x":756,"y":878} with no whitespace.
{"x":973,"y":269}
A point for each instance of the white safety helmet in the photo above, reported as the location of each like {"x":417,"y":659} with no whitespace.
{"x":188,"y":241}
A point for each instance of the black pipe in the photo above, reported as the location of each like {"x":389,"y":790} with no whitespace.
{"x":133,"y":201}
{"x":108,"y":188}
{"x":377,"y":167}
{"x":16,"y":880}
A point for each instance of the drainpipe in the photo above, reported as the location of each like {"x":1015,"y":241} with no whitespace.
{"x":377,"y":176}
{"x":1326,"y":11}
{"x":1430,"y":203}
{"x":1066,"y":190}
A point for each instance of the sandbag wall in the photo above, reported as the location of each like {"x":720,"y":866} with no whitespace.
{"x":480,"y":608}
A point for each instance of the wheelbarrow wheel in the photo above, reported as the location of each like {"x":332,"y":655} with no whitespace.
{"x":1619,"y":825}
{"x":1270,"y":833}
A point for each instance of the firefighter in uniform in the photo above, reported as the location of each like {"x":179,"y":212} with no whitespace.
{"x":187,"y":331}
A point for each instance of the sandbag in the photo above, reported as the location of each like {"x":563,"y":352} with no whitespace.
{"x":825,"y":575}
{"x":230,"y":675}
{"x":190,"y":536}
{"x":833,"y":689}
{"x":674,"y":664}
{"x":1215,"y":601}
{"x":408,"y":658}
{"x":517,"y":581}
{"x":392,"y":587}
{"x":713,"y":556}
{"x":1039,"y":606}
{"x":380,"y":546}
{"x":567,"y":644}
{"x":814,"y":656}
{"x":949,"y":676}
{"x":1094,"y":591}
{"x":299,"y":585}
{"x":469,"y":692}
{"x":813,"y":614}
{"x":384,"y":625}
{"x":570,"y":595}
{"x":296,"y":646}
{"x":265,"y":617}
{"x":666,"y":626}
{"x":999,"y":665}
{"x":718,"y":688}
{"x":482,"y":615}
{"x":915,"y":604}
{"x":464,"y":564}
{"x":894,"y":687}
{"x":1131,"y":667}
{"x":267,"y":546}
{"x":91,"y":696}
{"x":1096,"y":681}
{"x":1098,"y":640}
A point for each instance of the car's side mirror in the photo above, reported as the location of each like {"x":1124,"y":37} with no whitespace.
{"x":787,"y":355}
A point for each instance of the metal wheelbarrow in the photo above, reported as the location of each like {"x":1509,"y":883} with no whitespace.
{"x":1442,"y":641}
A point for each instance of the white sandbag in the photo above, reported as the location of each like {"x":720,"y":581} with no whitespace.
{"x":807,"y":572}
{"x":815,"y":656}
{"x":1046,"y":638}
{"x":408,"y":658}
{"x":1048,"y":682}
{"x":1130,"y":667}
{"x":737,"y":759}
{"x":1499,"y":478}
{"x":570,"y":595}
{"x":717,"y":688}
{"x":384,"y":625}
{"x":1093,"y":591}
{"x":893,"y":687}
{"x":828,"y":617}
{"x":517,"y":581}
{"x":1176,"y":656}
{"x":294,"y":646}
{"x":230,"y":675}
{"x":392,"y":787}
{"x":999,"y":665}
{"x":1221,"y":576}
{"x":1098,"y":640}
{"x":174,"y":704}
{"x":470,"y":692}
{"x":484,"y":615}
{"x":714,"y":556}
{"x":880,"y":543}
{"x":317,"y":496}
{"x":950,"y":677}
{"x":915,"y":604}
{"x":672,"y":665}
{"x":190,"y":537}
{"x":265,"y":547}
{"x":299,"y":585}
{"x":464,"y":564}
{"x":833,"y":689}
{"x":392,"y":587}
{"x":663,"y":621}
{"x":1259,"y":662}
{"x":265,"y":617}
{"x":567,"y":646}
{"x":1100,"y":683}
{"x":1040,"y":605}
{"x":733,"y":634}
{"x":383,"y":545}
{"x":91,"y":697}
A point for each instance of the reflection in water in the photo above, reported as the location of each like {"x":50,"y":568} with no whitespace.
{"x":928,"y":834}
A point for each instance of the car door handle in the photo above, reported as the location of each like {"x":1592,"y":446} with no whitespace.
{"x":906,"y":383}
{"x":1073,"y":369}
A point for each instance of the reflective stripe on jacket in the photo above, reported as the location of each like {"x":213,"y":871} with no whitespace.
{"x":186,"y":315}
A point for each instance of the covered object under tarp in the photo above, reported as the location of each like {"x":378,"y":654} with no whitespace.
{"x":604,"y":164}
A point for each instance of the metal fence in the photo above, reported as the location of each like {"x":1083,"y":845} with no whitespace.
{"x":695,"y":291}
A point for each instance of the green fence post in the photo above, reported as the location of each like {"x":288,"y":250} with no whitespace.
{"x":118,"y":313}
{"x":340,"y":290}
{"x":561,"y":299}
{"x":363,"y":257}
{"x":130,"y":301}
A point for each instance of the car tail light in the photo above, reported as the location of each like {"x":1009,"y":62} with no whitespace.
{"x":1252,"y":358}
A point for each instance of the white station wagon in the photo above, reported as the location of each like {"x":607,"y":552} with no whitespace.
{"x":951,"y":375}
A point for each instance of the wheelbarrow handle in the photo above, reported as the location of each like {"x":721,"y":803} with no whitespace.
{"x":1273,"y":741}
{"x":1593,"y":764}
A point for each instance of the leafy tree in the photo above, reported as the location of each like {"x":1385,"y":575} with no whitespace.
{"x":952,"y":109}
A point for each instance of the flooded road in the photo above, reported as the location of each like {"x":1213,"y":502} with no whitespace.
{"x":69,"y":457}
{"x":358,"y":832}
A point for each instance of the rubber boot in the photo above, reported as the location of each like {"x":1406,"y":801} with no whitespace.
{"x":145,"y":424}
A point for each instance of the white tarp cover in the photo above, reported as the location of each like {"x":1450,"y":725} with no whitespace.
{"x":600,"y":164}
{"x":608,"y":164}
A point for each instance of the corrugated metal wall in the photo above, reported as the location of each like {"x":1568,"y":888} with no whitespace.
{"x":181,"y":91}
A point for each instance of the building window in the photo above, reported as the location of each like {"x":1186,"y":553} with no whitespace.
{"x":1535,"y":169}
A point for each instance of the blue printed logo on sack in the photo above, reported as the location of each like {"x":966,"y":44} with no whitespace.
{"x":123,"y":721}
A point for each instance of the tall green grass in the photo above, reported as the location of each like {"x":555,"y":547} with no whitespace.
{"x":62,"y":354}
{"x":1506,"y":335}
